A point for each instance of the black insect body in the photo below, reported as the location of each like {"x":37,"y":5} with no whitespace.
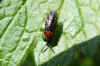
{"x":53,"y":31}
{"x":50,"y":26}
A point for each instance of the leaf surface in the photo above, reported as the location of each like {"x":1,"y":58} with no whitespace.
{"x":22,"y":26}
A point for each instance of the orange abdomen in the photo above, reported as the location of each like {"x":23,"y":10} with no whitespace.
{"x":48,"y":34}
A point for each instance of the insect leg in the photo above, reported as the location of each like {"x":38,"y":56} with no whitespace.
{"x":44,"y":49}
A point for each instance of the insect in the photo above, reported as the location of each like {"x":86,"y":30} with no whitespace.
{"x":50,"y":26}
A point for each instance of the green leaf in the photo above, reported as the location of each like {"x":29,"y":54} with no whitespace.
{"x":77,"y":34}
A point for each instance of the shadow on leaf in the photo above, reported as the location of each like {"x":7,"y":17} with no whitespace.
{"x":29,"y":59}
{"x":83,"y":54}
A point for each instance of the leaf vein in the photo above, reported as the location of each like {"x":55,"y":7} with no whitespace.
{"x":81,"y":17}
{"x":3,"y":32}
